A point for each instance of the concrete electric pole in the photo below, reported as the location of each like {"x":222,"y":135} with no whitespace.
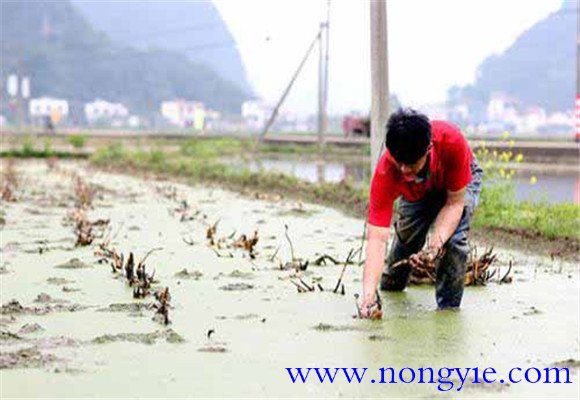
{"x":379,"y":79}
{"x":323,"y":77}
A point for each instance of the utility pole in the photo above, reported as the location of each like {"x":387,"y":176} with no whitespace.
{"x":321,"y":86}
{"x":379,"y":78}
{"x":577,"y":101}
{"x":327,"y":47}
{"x":323,"y":77}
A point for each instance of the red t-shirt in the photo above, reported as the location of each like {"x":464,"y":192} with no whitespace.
{"x":449,"y":165}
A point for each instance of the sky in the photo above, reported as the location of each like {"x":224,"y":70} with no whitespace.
{"x":432,"y":45}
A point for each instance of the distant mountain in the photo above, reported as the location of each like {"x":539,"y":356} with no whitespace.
{"x":191,"y":27}
{"x":539,"y":69}
{"x":65,"y":57}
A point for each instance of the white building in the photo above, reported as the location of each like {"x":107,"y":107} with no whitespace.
{"x":48,"y":107}
{"x":502,"y":108}
{"x":256,"y":113}
{"x":101,"y":110}
{"x":184,"y":113}
{"x":532,"y":119}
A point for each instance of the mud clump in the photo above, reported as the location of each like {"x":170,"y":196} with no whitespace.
{"x":238,"y":286}
{"x":25,"y":358}
{"x":174,"y":337}
{"x":73,"y":263}
{"x":379,"y":338}
{"x":30,"y":328}
{"x":127,"y":307}
{"x":6,"y":336}
{"x":169,"y":335}
{"x":14,"y":307}
{"x":569,"y":363}
{"x":298,"y":211}
{"x":212,"y":349}
{"x":66,"y":370}
{"x":532,"y":311}
{"x":58,"y":281}
{"x":495,"y":387}
{"x":45,"y":298}
{"x":185,"y":274}
{"x":236,"y":273}
{"x":56,"y":341}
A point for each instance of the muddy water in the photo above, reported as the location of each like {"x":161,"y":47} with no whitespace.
{"x":554,"y":185}
{"x":263,"y":325}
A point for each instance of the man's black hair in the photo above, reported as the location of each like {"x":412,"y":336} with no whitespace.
{"x":408,"y":135}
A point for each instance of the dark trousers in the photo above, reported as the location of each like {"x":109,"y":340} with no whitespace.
{"x":411,"y":228}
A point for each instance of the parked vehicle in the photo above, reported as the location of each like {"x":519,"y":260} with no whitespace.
{"x":356,"y":126}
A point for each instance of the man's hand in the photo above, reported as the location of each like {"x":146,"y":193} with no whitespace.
{"x":371,"y":307}
{"x":425,"y":257}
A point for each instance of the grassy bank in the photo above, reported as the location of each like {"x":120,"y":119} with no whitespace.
{"x":196,"y":163}
{"x":31,"y":145}
{"x":42,"y":154}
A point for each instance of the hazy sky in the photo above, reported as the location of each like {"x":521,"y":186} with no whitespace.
{"x":433,"y":44}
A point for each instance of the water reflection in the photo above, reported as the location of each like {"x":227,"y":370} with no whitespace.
{"x":551,"y":186}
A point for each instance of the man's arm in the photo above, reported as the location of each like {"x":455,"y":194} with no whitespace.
{"x":375,"y":259}
{"x":448,"y":218}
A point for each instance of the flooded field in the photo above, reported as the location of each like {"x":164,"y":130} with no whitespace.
{"x":552,"y":185}
{"x":71,"y":327}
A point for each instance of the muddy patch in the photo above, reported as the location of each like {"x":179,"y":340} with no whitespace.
{"x":30,"y":328}
{"x":25,"y":358}
{"x":54,"y":280}
{"x":236,"y":273}
{"x":131,"y":308}
{"x":238,"y":286}
{"x":380,"y":338}
{"x":185,"y":274}
{"x":297,"y":212}
{"x":213,"y":349}
{"x":494,"y":387}
{"x":55,"y":341}
{"x":45,"y":298}
{"x":169,"y":335}
{"x":9,"y":337}
{"x":569,"y":363}
{"x":13,"y":307}
{"x":73,"y":263}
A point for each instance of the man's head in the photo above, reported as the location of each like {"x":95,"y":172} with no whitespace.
{"x":409,"y":140}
